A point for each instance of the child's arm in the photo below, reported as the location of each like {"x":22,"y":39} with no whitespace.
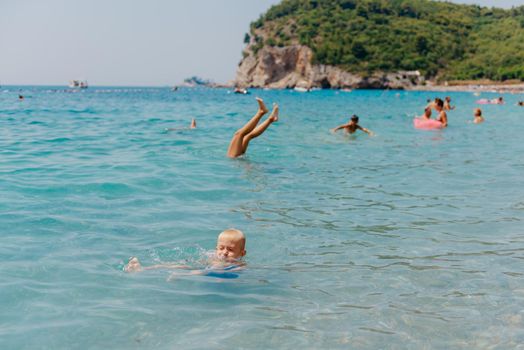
{"x":339,"y":127}
{"x":369,"y":132}
{"x":166,"y":266}
{"x":134,"y":266}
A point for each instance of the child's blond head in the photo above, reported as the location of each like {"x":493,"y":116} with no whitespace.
{"x":231,"y":244}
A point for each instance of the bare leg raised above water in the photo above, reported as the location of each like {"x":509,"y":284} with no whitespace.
{"x":236,"y":146}
{"x":259,"y":130}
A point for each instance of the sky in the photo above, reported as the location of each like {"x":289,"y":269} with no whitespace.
{"x":129,"y":42}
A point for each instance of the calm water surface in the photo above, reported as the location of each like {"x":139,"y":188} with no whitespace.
{"x":406,"y":240}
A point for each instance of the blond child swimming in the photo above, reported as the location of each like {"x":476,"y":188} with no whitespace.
{"x":240,"y":141}
{"x":229,"y":251}
{"x":352,"y":126}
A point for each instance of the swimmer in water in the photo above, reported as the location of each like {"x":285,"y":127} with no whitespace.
{"x":427,"y":114}
{"x":521,"y":103}
{"x":352,"y":126}
{"x":229,"y":251}
{"x":442,"y":117}
{"x":497,"y":101}
{"x":240,"y":141}
{"x":478,"y":116}
{"x":447,"y":104}
{"x":20,"y":97}
{"x":191,"y":126}
{"x":432,"y":104}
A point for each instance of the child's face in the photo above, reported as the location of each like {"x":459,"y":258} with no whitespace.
{"x":229,"y":248}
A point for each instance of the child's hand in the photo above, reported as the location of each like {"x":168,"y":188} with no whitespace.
{"x":133,"y":265}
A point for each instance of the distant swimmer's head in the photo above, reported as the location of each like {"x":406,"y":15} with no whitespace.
{"x":354,"y":118}
{"x":521,"y":103}
{"x":448,"y":99}
{"x":231,"y":245}
{"x":478,"y":112}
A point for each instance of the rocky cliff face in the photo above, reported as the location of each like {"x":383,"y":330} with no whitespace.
{"x":290,"y":67}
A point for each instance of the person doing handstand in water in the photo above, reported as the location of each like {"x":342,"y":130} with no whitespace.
{"x":352,"y":126}
{"x":242,"y":136}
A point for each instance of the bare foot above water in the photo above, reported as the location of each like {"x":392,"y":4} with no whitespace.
{"x":261,"y":106}
{"x":274,"y":113}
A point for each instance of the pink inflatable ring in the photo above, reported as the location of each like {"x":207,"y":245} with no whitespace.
{"x":426,"y":124}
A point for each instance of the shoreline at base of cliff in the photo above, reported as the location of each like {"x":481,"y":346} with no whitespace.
{"x":499,"y":88}
{"x":469,"y":86}
{"x":495,"y":88}
{"x":472,"y":86}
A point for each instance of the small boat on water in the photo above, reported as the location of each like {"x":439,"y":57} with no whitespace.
{"x":302,"y":89}
{"x":78,"y":84}
{"x":241,"y":91}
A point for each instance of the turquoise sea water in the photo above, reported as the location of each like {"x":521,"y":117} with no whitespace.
{"x":406,"y":240}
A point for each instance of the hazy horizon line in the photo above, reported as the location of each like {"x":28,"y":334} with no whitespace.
{"x":94,"y":86}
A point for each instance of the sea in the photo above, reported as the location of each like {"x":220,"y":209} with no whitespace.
{"x":408,"y":239}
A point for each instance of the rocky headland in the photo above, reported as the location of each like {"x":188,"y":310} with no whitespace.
{"x":291,"y":66}
{"x":376,"y":44}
